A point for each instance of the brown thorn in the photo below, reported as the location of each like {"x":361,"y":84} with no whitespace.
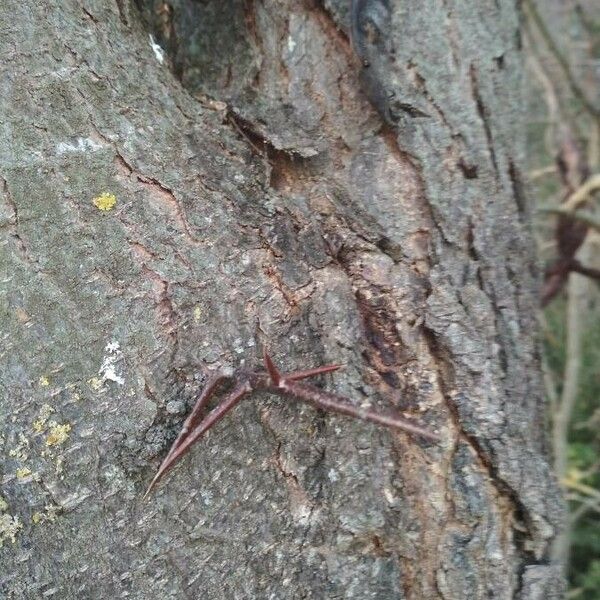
{"x":271,"y":368}
{"x":211,"y":419}
{"x":340,"y":404}
{"x":296,"y":375}
{"x":285,"y":385}
{"x":194,"y":417}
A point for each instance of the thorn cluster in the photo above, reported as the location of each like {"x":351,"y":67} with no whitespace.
{"x":272,"y":381}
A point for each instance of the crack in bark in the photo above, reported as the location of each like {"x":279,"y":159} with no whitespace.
{"x":166,"y":316}
{"x":483,"y":113}
{"x":122,"y":10}
{"x":518,"y":189}
{"x":421,"y":85}
{"x":317,"y":9}
{"x":159,"y":190}
{"x":485,"y":458}
{"x":385,"y":351}
{"x":297,"y":494}
{"x":13,"y":223}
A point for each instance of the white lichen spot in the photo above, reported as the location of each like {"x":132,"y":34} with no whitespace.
{"x":332,"y":475}
{"x":112,"y":346}
{"x":389,"y":496}
{"x":3,"y":504}
{"x":81,"y":145}
{"x":207,"y":497}
{"x":59,"y":433}
{"x":62,"y":73}
{"x":302,"y":513}
{"x":197,"y":313}
{"x":291,"y":43}
{"x":9,"y":527}
{"x":175,"y":407}
{"x":238,"y":345}
{"x":158,"y":51}
{"x":108,"y":370}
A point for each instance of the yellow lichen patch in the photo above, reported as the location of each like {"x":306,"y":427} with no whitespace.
{"x":23,"y":472}
{"x":44,"y":381}
{"x":9,"y":527}
{"x":39,"y":424}
{"x":3,"y":504}
{"x":58,"y":433}
{"x":95,"y":383}
{"x":197,"y":313}
{"x":76,"y":395}
{"x":105,"y":201}
{"x":50,"y":513}
{"x":19,"y":451}
{"x":46,"y":411}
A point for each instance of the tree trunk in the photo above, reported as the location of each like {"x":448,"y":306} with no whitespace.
{"x":366,"y":210}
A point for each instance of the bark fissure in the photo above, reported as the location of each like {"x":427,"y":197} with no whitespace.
{"x":13,"y":222}
{"x":482,"y":111}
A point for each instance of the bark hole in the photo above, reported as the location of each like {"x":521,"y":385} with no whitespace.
{"x":211,"y":46}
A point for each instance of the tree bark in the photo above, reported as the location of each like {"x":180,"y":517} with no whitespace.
{"x":290,"y":195}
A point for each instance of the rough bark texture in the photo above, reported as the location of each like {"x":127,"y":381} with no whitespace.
{"x":395,"y":241}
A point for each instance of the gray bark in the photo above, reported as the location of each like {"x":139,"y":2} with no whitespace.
{"x":298,"y":219}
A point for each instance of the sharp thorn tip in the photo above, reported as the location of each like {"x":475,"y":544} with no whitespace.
{"x":271,"y":368}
